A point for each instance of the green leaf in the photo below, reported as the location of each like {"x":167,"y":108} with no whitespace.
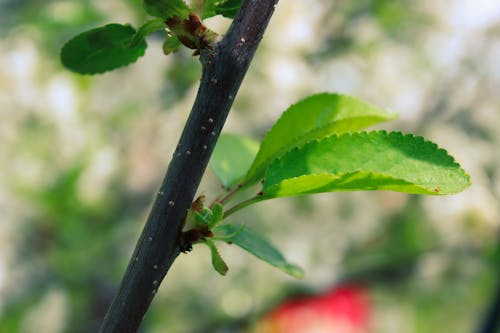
{"x":217,"y":262}
{"x":147,"y":29}
{"x":232,"y":157}
{"x":171,"y":44}
{"x":102,"y":49}
{"x":204,"y":217}
{"x":227,"y":8}
{"x":166,"y":8}
{"x":314,"y":117}
{"x":217,"y":215}
{"x":365,"y":161}
{"x":209,"y":10}
{"x":258,"y":246}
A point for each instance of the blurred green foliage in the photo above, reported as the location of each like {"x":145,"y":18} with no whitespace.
{"x":400,"y":21}
{"x":53,"y":22}
{"x":77,"y":244}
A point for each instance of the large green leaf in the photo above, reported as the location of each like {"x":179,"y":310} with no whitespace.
{"x":166,"y":8}
{"x":258,"y":246}
{"x":315,"y":117}
{"x":232,"y":157}
{"x":227,"y":8}
{"x":102,"y":49}
{"x":365,"y":161}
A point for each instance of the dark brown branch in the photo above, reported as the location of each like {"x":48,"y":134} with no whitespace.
{"x":223,"y":70}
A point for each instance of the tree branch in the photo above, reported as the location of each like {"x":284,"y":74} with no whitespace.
{"x":491,"y":321}
{"x":223,"y":70}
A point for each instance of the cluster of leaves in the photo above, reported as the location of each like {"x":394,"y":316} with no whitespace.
{"x":116,"y":45}
{"x":316,"y":147}
{"x":206,"y":229}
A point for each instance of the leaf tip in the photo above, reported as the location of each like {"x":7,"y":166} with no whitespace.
{"x":295,"y":271}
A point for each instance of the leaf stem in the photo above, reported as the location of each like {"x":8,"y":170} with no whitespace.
{"x":230,"y":194}
{"x":241,"y":205}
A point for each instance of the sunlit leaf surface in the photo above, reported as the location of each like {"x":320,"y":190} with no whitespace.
{"x":365,"y":161}
{"x":314,"y":117}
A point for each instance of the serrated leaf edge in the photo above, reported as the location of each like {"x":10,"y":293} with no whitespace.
{"x":399,"y":134}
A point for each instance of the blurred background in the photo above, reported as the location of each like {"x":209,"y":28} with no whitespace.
{"x":82,"y":156}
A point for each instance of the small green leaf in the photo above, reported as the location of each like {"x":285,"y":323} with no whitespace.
{"x":217,"y":262}
{"x":171,"y":44}
{"x":166,"y":8}
{"x":102,"y":49}
{"x":232,"y":157}
{"x":258,"y":246}
{"x":226,"y":8}
{"x":365,"y":161}
{"x":204,"y":217}
{"x":314,"y":117}
{"x":217,"y":215}
{"x":147,"y":29}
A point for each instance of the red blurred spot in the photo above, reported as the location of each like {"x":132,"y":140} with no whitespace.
{"x":345,"y":309}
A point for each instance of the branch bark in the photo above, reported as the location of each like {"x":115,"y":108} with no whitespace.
{"x":158,"y":246}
